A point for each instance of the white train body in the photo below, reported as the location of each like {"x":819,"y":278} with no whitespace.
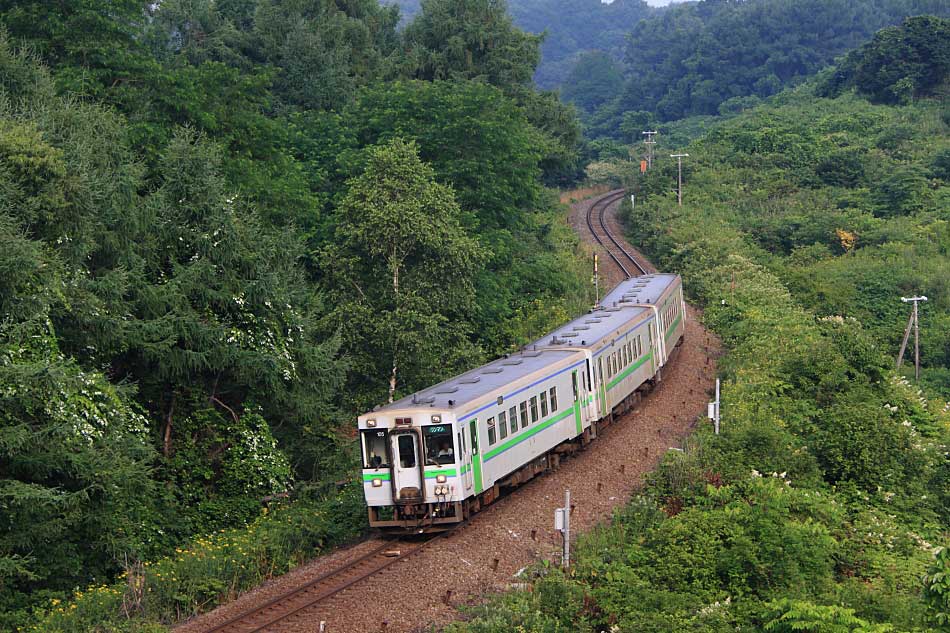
{"x":435,"y":456}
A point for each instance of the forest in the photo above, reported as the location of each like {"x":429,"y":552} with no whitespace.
{"x":193,"y":281}
{"x":823,"y":504}
{"x":230,"y":226}
{"x":709,"y":58}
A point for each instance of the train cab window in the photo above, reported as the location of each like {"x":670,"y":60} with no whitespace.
{"x":523,"y":409}
{"x":491,"y":430}
{"x":439,"y":448}
{"x":474,"y":428}
{"x":502,"y":425}
{"x":544,"y":404}
{"x":573,"y":385}
{"x":534,"y":409}
{"x":374,"y":449}
{"x":407,"y":451}
{"x":513,"y":419}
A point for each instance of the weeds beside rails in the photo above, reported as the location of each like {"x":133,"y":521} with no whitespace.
{"x":209,"y":571}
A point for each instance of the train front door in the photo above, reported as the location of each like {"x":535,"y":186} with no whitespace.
{"x":407,"y":469}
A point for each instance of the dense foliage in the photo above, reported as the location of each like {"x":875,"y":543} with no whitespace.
{"x":211,"y":265}
{"x":570,"y":28}
{"x":700,"y":57}
{"x":823,"y":504}
{"x":899,"y":64}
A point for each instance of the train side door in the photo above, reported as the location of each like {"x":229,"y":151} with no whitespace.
{"x":475,"y":456}
{"x":601,"y":388}
{"x":588,"y":405}
{"x":407,"y":469}
{"x":466,"y":461}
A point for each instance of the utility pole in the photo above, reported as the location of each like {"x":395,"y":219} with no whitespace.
{"x":679,"y":176}
{"x":915,"y":322}
{"x":650,"y":142}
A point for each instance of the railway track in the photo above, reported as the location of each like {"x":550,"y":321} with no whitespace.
{"x":287,"y":605}
{"x":598,"y":228}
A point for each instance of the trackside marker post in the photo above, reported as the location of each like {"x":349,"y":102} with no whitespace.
{"x":562,"y":523}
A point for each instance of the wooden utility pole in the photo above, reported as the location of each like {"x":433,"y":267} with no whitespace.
{"x":914,"y":322}
{"x":679,"y":176}
{"x":650,"y":142}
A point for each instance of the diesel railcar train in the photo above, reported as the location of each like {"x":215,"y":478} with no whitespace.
{"x":433,"y":458}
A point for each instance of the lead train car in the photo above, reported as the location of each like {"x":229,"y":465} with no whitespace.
{"x":433,"y":458}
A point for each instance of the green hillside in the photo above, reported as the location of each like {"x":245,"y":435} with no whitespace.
{"x":712,"y":57}
{"x":824,"y":505}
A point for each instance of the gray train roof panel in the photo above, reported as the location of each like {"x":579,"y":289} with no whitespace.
{"x":481,"y":381}
{"x":644,"y":289}
{"x":586,"y":330}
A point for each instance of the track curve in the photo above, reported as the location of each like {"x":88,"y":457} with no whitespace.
{"x":598,"y":228}
{"x":288,"y":604}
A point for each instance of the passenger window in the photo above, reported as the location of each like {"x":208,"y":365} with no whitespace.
{"x":524,"y":413}
{"x":407,"y":451}
{"x":503,"y":425}
{"x":491,"y":431}
{"x":553,"y":399}
{"x":573,"y":385}
{"x":534,"y":409}
{"x":544,"y":404}
{"x":513,"y":418}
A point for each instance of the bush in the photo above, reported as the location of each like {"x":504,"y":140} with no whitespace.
{"x":212,"y":569}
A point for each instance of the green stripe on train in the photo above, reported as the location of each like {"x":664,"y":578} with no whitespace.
{"x":448,"y":472}
{"x":577,"y":417}
{"x":533,"y":431}
{"x":629,"y":370}
{"x":669,"y":330}
{"x":372,"y":476}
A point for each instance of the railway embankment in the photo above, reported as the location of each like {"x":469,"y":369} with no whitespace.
{"x":484,"y":556}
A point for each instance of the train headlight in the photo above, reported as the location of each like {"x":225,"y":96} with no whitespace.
{"x":371,"y":423}
{"x":440,"y":479}
{"x":377,"y":483}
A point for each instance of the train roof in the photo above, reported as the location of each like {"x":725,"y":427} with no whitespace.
{"x":456,"y":392}
{"x":643,"y":289}
{"x":587,"y":330}
{"x":619,"y":307}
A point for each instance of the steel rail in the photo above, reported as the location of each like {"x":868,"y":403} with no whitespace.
{"x":243,"y":621}
{"x":601,"y":206}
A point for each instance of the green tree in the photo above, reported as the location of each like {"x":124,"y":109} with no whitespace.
{"x":594,"y":79}
{"x":901,"y":63}
{"x":469,"y":39}
{"x":401,"y":274}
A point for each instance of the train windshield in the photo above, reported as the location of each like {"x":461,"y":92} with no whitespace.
{"x":439,"y":446}
{"x":374,"y":449}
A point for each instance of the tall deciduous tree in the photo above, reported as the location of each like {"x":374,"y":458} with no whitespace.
{"x":401,"y":272}
{"x":470,"y":39}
